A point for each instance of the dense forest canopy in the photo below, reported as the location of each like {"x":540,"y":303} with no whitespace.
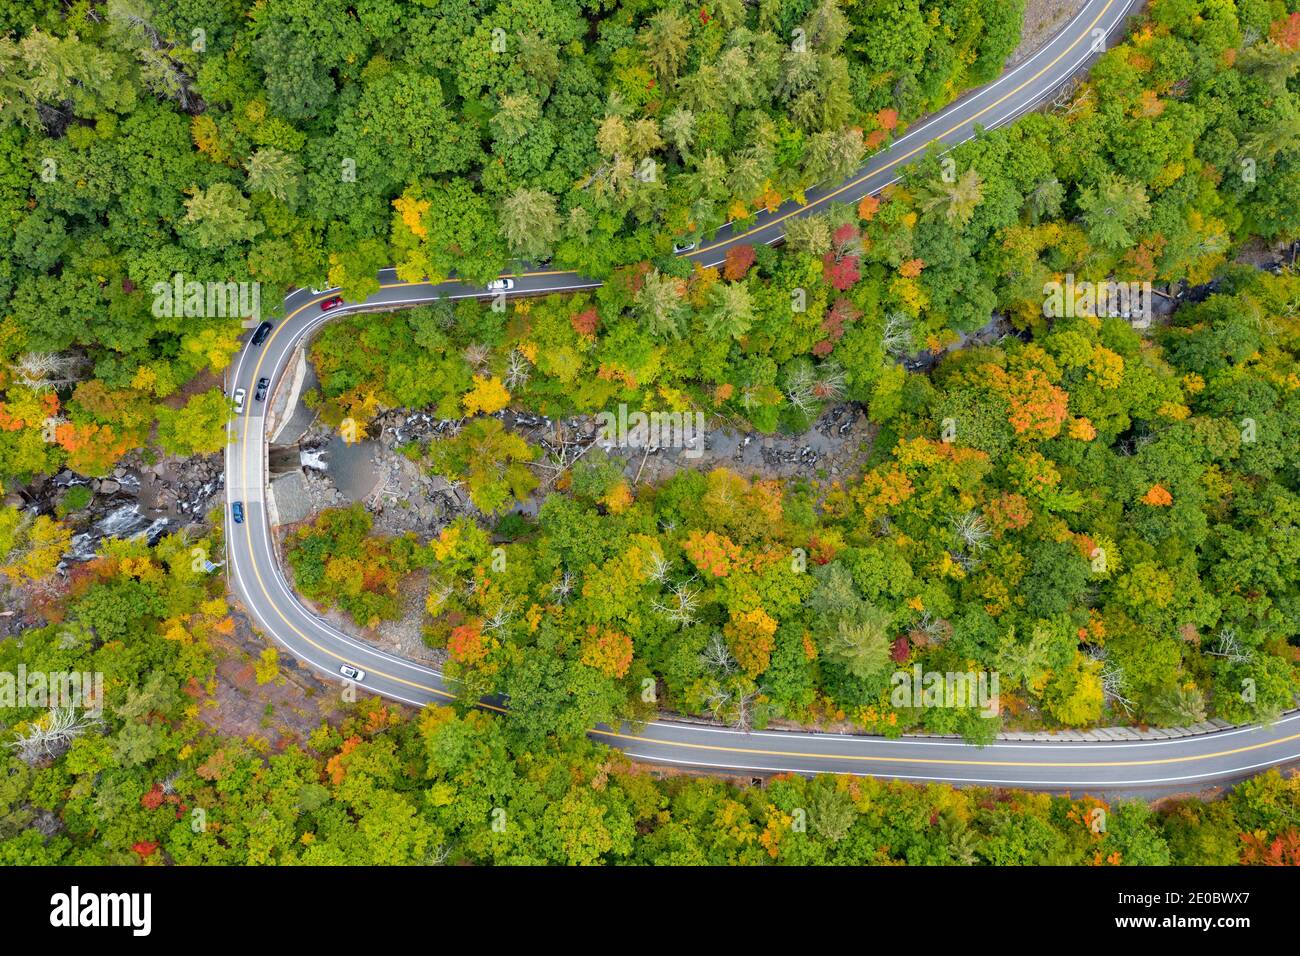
{"x":290,"y":142}
{"x":1110,"y":527}
{"x":132,"y":157}
{"x":147,"y":781}
{"x":1100,"y":508}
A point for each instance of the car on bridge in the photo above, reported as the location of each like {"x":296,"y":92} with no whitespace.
{"x":262,"y":332}
{"x":240,"y":394}
{"x":237,"y":511}
{"x":262,"y":384}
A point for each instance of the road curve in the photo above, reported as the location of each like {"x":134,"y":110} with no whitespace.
{"x":256,"y":578}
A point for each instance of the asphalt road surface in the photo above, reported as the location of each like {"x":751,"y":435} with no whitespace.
{"x":255,"y":575}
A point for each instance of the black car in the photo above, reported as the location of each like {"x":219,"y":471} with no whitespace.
{"x":262,"y":332}
{"x":260,"y":394}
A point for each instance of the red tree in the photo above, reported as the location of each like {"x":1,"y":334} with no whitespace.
{"x":739,"y":259}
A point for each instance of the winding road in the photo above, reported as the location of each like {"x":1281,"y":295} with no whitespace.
{"x":256,"y":577}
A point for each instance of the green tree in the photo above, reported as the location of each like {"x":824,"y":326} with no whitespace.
{"x":274,"y":172}
{"x":1112,"y":209}
{"x":219,"y":216}
{"x":198,"y":427}
{"x":530,"y":222}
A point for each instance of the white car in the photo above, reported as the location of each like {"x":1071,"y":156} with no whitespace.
{"x":323,"y":291}
{"x":352,"y":673}
{"x":239,"y":401}
{"x":501,"y":285}
{"x":680,"y":247}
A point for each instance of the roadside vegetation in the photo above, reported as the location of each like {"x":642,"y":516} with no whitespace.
{"x":145,"y":780}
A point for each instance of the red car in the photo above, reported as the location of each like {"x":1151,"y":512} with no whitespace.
{"x":331,"y":303}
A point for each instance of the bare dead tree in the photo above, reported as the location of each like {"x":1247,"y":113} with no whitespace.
{"x":562,"y":588}
{"x":659,"y":568}
{"x":831,"y":382}
{"x":930,"y":630}
{"x":743,"y":718}
{"x":477,"y":355}
{"x":681,"y":603}
{"x":1113,"y":685}
{"x":1067,"y":103}
{"x":51,"y":736}
{"x":732,"y":706}
{"x":717,"y":656}
{"x":896,"y":338}
{"x":1113,"y":682}
{"x":518,"y":370}
{"x":972,"y":530}
{"x":716,"y":701}
{"x":437,"y":855}
{"x":499,"y":619}
{"x":1228,"y":645}
{"x":808,"y":387}
{"x":562,"y":462}
{"x":40,"y":370}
